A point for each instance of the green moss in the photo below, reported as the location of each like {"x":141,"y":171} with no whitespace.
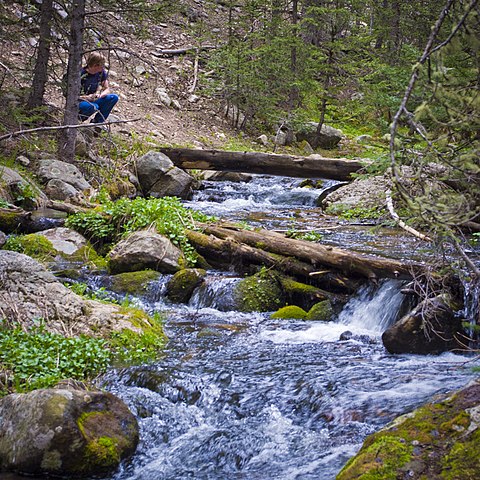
{"x":447,"y":444}
{"x":321,"y":311}
{"x":100,"y":451}
{"x":130,"y":347}
{"x":88,"y":256}
{"x":9,"y":220}
{"x":362,"y":213}
{"x":379,"y":461}
{"x":290,"y":311}
{"x":463,"y":461}
{"x":182,"y":284}
{"x":33,"y":245}
{"x":133,"y":283}
{"x":259,"y":293}
{"x":103,"y":450}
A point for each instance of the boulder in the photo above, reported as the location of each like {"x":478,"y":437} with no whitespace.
{"x":431,"y":327}
{"x":328,"y":137}
{"x":145,"y":250}
{"x":57,"y":189}
{"x":159,"y":177}
{"x":183,"y":283}
{"x":259,"y":293}
{"x":29,"y":292}
{"x":52,"y":169}
{"x":18,"y":190}
{"x":65,"y":432}
{"x":363,"y":194}
{"x":65,"y":240}
{"x":436,"y":441}
{"x":322,"y":311}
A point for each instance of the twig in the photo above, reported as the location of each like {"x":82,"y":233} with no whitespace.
{"x":62,"y":127}
{"x":195,"y":73}
{"x":10,"y":72}
{"x":400,"y":222}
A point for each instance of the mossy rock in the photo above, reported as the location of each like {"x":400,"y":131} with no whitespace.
{"x":321,"y":311}
{"x":89,"y":257}
{"x":298,"y":293}
{"x":290,"y":311}
{"x":133,"y":283}
{"x":438,"y":441}
{"x":183,"y":283}
{"x":66,"y":433}
{"x":33,"y":245}
{"x":11,"y":219}
{"x":259,"y":293}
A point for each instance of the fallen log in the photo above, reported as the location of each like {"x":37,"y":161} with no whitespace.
{"x":226,"y":253}
{"x":313,"y":166}
{"x":349,"y":263}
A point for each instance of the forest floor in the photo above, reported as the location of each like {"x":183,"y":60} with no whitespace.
{"x":137,"y":69}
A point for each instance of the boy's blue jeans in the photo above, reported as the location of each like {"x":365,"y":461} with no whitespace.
{"x":102,"y":106}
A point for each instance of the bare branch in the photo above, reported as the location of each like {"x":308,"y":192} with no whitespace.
{"x":400,"y":222}
{"x":62,"y":127}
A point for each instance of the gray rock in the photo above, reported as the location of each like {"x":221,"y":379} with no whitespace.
{"x":145,"y":250}
{"x":23,"y":160}
{"x":163,"y":96}
{"x":65,"y":240}
{"x":328,"y":138}
{"x":3,"y":239}
{"x":13,"y":188}
{"x":159,"y":177}
{"x":50,"y":169}
{"x":57,"y":189}
{"x":227,"y":176}
{"x":65,"y":432}
{"x":29,"y":292}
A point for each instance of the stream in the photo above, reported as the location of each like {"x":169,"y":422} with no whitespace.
{"x":243,"y":396}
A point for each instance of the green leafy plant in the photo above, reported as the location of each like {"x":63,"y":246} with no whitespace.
{"x":309,"y":236}
{"x":116,"y":219}
{"x":39,"y":359}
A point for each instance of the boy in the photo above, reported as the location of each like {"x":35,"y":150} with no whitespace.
{"x":95,"y":93}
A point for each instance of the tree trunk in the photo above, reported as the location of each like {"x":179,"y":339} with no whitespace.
{"x":313,"y":166}
{"x":43,"y":55}
{"x":66,"y":143}
{"x":319,"y":256}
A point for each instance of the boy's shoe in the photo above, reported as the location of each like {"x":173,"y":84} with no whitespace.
{"x":99,"y":129}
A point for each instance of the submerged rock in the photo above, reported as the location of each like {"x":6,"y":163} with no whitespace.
{"x":439,"y":440}
{"x":183,"y":283}
{"x":65,"y":432}
{"x":290,"y":311}
{"x":431,"y":327}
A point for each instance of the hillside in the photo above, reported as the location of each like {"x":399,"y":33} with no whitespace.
{"x":137,"y":70}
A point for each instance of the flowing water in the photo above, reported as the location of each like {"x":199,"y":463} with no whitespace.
{"x":242,"y":396}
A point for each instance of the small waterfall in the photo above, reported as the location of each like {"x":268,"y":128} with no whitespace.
{"x":368,"y":315}
{"x":374,"y":308}
{"x":216,"y":292}
{"x":471,"y":311}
